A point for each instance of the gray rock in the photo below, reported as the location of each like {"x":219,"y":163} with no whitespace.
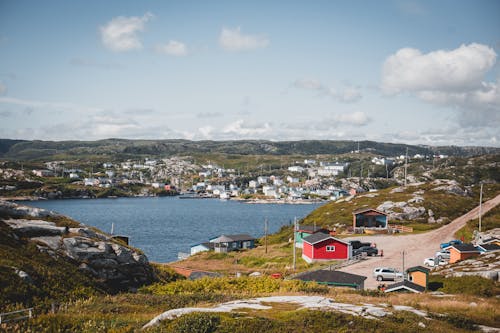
{"x":24,"y":276}
{"x":52,"y":242}
{"x":34,"y":228}
{"x":421,"y":324}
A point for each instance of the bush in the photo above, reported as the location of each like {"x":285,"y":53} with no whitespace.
{"x":196,"y":322}
{"x":470,"y":285}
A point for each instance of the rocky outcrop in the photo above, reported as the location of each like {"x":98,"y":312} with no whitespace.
{"x":449,"y":186}
{"x":401,"y":211}
{"x":116,"y":265}
{"x":486,"y":265}
{"x":16,"y":211}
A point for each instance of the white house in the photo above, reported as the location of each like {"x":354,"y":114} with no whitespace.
{"x":252,"y":184}
{"x":262,"y":180}
{"x":296,"y":168}
{"x":291,"y":179}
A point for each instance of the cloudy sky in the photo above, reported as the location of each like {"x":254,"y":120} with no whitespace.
{"x":420,"y":72}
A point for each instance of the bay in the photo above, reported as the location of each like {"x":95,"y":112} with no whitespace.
{"x":164,"y":226}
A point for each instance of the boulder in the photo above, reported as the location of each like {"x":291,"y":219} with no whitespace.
{"x":34,"y":228}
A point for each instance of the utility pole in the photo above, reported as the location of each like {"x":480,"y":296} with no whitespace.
{"x":480,"y":206}
{"x":265,"y":233}
{"x":403,"y":253}
{"x":406,"y":164}
{"x":294,"y":241}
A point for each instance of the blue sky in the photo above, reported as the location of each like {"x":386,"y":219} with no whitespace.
{"x":420,"y":72}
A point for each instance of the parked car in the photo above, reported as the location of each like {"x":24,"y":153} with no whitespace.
{"x":386,"y":273}
{"x":443,"y":254}
{"x":356,"y":244}
{"x":431,"y":262}
{"x":450,"y":243}
{"x":370,"y":251}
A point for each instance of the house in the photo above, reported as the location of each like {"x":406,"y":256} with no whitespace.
{"x":296,"y":168}
{"x":418,"y":275}
{"x":405,"y":286}
{"x":369,"y":218}
{"x":43,"y":173}
{"x":489,"y":247}
{"x":323,"y":247}
{"x":460,"y":252}
{"x":202,"y":247}
{"x":305,"y":231}
{"x":226,"y":243}
{"x":334,"y":278}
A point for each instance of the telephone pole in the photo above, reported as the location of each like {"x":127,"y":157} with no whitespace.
{"x":480,"y":206}
{"x":294,"y":241}
{"x":265,"y":233}
{"x":406,"y":164}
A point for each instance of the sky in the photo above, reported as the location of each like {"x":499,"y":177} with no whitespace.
{"x":402,"y":71}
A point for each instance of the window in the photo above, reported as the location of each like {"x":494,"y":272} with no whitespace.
{"x":330,"y":248}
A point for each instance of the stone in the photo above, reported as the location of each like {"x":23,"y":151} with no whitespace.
{"x":24,"y":276}
{"x":421,"y":324}
{"x":430,"y":213}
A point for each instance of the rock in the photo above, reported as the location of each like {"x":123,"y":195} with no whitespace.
{"x":34,"y":228}
{"x":416,"y":199}
{"x":473,"y":304}
{"x":52,"y":242}
{"x":421,"y":324}
{"x":24,"y":276}
{"x":430,"y":213}
{"x":376,"y":312}
{"x":431,"y":220}
{"x":398,"y":190}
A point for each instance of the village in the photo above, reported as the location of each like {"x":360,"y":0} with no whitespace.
{"x":302,"y":181}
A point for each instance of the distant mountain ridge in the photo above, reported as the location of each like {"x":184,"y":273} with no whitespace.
{"x":25,"y":149}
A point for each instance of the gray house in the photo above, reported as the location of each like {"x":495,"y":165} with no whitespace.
{"x":227,"y":243}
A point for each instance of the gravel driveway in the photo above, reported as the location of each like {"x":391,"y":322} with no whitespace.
{"x":416,"y":247}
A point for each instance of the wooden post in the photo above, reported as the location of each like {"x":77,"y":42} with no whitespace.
{"x":265,"y":233}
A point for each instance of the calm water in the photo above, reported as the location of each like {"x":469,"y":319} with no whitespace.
{"x":164,"y":226}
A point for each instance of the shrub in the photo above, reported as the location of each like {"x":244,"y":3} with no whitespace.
{"x":470,"y":285}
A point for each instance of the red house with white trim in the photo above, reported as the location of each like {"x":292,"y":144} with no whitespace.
{"x":321,"y":246}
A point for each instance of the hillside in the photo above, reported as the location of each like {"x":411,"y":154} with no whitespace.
{"x":120,"y":148}
{"x":46,"y":257}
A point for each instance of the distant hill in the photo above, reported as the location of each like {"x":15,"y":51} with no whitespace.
{"x":121,"y":148}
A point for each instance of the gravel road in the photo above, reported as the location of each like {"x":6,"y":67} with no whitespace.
{"x":416,"y":247}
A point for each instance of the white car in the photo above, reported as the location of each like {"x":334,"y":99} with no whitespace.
{"x":443,"y":254}
{"x":386,"y":273}
{"x":431,"y":262}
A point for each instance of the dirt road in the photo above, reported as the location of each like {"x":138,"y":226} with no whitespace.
{"x":416,"y":247}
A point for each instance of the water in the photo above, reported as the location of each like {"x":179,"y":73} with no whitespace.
{"x":164,"y":226}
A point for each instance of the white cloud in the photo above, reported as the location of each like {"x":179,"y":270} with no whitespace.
{"x":53,"y":106}
{"x":457,"y":70}
{"x":307,"y":83}
{"x":356,"y":118}
{"x":453,"y":79}
{"x":344,"y":94}
{"x":121,"y":33}
{"x":173,"y":48}
{"x":234,"y":40}
{"x":241,"y":128}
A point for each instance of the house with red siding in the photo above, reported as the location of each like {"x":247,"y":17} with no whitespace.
{"x":324,"y":247}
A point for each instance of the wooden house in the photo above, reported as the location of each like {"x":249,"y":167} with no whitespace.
{"x":418,"y":275}
{"x":460,"y":252}
{"x":227,"y":243}
{"x":202,"y":247}
{"x":324,"y":247}
{"x":305,"y":231}
{"x":369,"y":218}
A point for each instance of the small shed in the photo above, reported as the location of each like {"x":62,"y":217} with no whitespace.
{"x":334,"y":278}
{"x":418,"y":275}
{"x":226,"y":243}
{"x":369,"y":218}
{"x":324,"y":247}
{"x":460,"y":252}
{"x":305,"y":231}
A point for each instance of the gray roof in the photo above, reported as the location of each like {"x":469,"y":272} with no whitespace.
{"x":310,"y":228}
{"x":232,"y":238}
{"x":465,"y":248}
{"x":405,"y":285}
{"x":319,"y":237}
{"x":332,"y":277}
{"x":418,"y":268}
{"x":490,"y":247}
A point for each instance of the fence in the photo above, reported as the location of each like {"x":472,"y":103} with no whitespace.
{"x":400,"y":228}
{"x":16,"y":315}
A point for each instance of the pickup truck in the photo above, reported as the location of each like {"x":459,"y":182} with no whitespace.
{"x":356,"y":244}
{"x":450,"y":243}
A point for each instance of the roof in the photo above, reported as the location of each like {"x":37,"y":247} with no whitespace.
{"x":490,"y":247}
{"x":332,"y":277}
{"x":490,"y":240}
{"x":208,"y":245}
{"x":310,"y":228}
{"x":405,"y":285}
{"x":366,"y":209}
{"x":319,"y":237}
{"x":232,"y":238}
{"x":464,"y":248}
{"x":418,"y":268}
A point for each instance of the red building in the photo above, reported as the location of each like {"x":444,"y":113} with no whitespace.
{"x":321,"y":246}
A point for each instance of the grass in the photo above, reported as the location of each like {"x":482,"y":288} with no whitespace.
{"x":490,"y":220}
